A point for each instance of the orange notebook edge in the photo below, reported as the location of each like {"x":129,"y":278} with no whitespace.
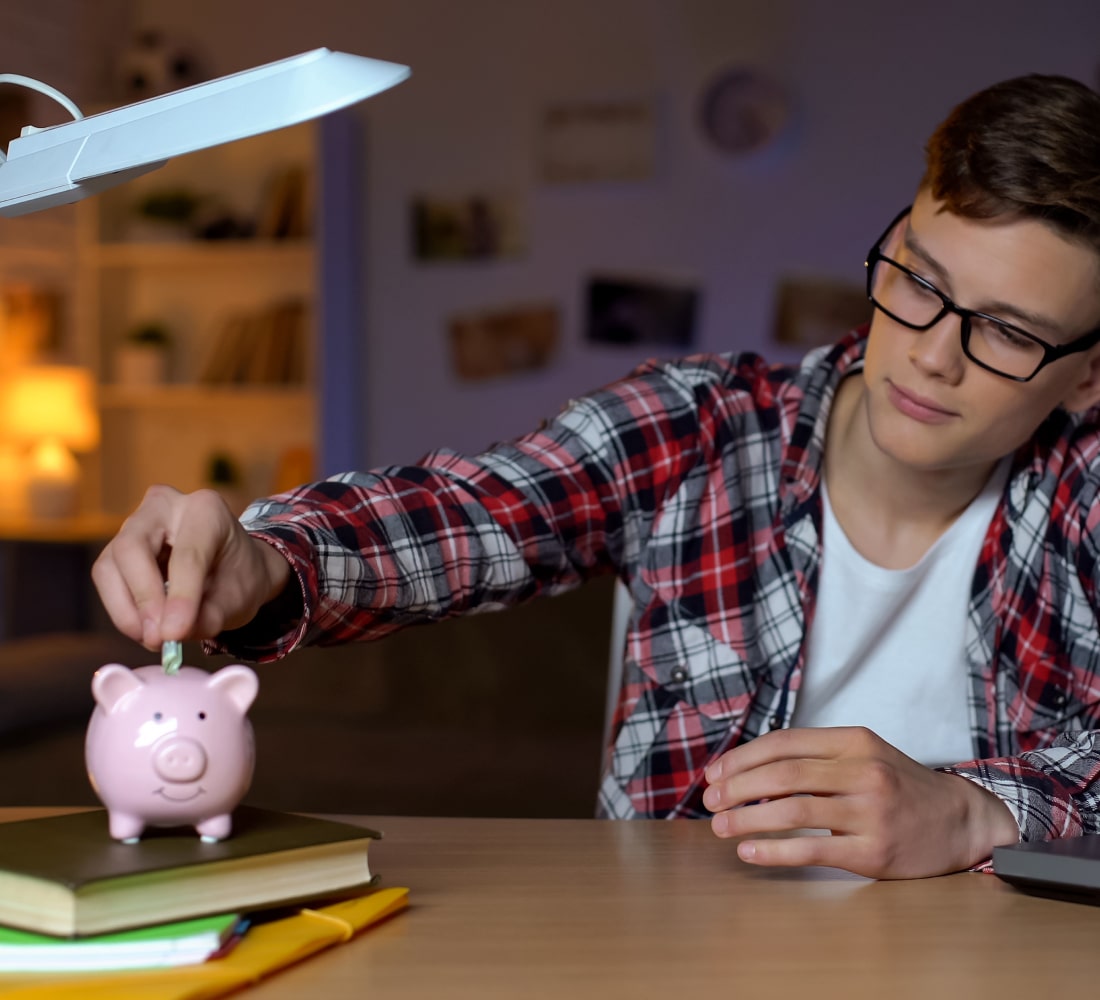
{"x":265,"y":949}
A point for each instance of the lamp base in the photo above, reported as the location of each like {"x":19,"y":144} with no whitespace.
{"x":51,"y":499}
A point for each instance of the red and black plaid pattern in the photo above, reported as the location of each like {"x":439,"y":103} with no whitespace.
{"x":697,"y":482}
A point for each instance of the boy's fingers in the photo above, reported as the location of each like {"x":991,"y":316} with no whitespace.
{"x":117,"y":599}
{"x":130,"y":583}
{"x":202,"y":532}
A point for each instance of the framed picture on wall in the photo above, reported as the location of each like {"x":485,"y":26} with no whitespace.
{"x":811,"y":312}
{"x":477,"y":226}
{"x":597,"y":141}
{"x":640,"y":311}
{"x":503,"y":341}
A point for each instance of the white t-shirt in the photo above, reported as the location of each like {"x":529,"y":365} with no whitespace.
{"x":887,"y":647}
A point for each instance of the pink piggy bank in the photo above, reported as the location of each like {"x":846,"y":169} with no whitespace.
{"x":170,"y":749}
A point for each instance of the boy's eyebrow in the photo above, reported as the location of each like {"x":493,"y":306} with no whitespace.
{"x":1000,"y":310}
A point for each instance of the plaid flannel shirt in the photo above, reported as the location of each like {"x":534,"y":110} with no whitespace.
{"x":698,"y":483}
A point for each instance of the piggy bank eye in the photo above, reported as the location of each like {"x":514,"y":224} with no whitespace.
{"x":202,"y":715}
{"x":157,"y":716}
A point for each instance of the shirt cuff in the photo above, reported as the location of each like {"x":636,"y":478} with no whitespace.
{"x":279,"y":627}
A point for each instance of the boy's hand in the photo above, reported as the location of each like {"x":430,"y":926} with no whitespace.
{"x":890,"y":817}
{"x":218,"y":575}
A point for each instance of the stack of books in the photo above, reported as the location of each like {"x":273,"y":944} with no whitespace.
{"x":74,"y":900}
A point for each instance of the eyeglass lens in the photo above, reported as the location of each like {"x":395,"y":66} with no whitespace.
{"x":915,"y":303}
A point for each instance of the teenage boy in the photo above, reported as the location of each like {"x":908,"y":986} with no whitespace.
{"x":864,"y":588}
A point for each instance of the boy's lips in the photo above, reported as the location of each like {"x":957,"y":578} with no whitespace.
{"x":927,"y":411}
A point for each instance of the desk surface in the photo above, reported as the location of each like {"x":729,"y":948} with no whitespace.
{"x":586,"y":908}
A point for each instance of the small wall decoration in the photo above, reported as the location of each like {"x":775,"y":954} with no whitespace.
{"x":597,"y":141}
{"x":811,"y":312}
{"x":472,"y":227}
{"x":742,"y":110}
{"x":638,"y":311}
{"x":503,"y":341}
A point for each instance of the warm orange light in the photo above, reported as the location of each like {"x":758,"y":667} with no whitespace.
{"x":55,"y":402}
{"x":49,"y":412}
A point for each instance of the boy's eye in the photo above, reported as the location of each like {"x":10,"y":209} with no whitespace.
{"x":1011,"y":337}
{"x":1004,"y":336}
{"x":921,"y":286}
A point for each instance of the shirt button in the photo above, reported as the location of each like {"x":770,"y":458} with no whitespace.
{"x":775,"y":722}
{"x":679,"y":675}
{"x":1060,"y":699}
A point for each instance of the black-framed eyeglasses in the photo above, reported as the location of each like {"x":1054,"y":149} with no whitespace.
{"x":991,"y":343}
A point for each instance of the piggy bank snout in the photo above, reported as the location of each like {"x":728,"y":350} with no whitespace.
{"x":179,"y":759}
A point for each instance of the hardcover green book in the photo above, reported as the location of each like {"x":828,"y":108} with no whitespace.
{"x":64,"y":875}
{"x":183,"y":942}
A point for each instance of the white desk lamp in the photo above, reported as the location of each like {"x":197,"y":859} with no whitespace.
{"x":52,"y":166}
{"x":64,"y":163}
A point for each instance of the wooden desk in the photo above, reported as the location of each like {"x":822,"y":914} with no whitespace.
{"x":585,"y":908}
{"x":582,"y":909}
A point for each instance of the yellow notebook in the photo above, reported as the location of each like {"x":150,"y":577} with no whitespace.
{"x":266,"y":948}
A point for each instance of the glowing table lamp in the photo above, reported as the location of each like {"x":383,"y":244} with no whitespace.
{"x":64,"y":163}
{"x":49,"y":410}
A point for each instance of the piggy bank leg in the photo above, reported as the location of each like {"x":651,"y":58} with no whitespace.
{"x":125,"y":827}
{"x":214,"y":829}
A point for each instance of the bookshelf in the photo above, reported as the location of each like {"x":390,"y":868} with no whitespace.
{"x":259,"y":273}
{"x":37,"y":258}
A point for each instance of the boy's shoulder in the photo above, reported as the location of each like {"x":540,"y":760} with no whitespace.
{"x":757,"y":382}
{"x":1064,"y":453}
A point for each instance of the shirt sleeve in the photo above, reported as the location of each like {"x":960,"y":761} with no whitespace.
{"x":1054,"y":792}
{"x":374,"y":551}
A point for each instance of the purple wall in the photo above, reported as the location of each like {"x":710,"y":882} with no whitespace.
{"x":869,"y":81}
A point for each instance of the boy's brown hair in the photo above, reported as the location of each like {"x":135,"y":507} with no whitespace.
{"x":1029,"y":146}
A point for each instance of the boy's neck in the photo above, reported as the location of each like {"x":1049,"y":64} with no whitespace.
{"x":891,"y":512}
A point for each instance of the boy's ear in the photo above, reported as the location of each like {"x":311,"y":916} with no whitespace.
{"x":1085,"y":394}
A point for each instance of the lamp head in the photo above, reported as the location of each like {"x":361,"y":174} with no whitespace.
{"x":62,"y":164}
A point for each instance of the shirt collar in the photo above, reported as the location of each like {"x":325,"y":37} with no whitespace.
{"x":818,"y":377}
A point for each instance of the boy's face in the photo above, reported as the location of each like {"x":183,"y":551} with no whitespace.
{"x":929,"y":406}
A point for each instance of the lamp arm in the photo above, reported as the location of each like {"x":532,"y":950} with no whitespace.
{"x":42,"y":88}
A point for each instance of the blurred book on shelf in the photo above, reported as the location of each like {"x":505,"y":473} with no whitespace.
{"x":263,"y":347}
{"x":284,"y":206}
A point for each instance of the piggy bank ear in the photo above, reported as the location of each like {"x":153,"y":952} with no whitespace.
{"x":111,"y":683}
{"x":237,"y":683}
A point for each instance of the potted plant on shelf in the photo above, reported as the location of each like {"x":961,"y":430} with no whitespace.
{"x":224,"y":474}
{"x":142,"y":357}
{"x":165,"y":214}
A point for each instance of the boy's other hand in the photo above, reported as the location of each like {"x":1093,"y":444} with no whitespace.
{"x":218,"y":575}
{"x":889,"y":816}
